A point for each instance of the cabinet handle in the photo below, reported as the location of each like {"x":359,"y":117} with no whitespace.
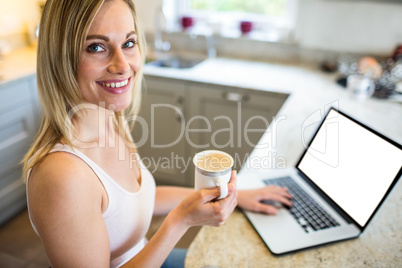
{"x":235,"y":97}
{"x":180,"y":101}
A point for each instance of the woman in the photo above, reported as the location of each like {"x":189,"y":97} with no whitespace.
{"x":88,"y":201}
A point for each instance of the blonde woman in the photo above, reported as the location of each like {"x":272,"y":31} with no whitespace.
{"x":89,"y":202}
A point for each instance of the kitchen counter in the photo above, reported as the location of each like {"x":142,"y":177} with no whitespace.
{"x":237,"y":73}
{"x":236,"y":244}
{"x":18,"y":64}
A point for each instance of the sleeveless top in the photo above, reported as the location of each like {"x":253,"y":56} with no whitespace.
{"x":128,"y":215}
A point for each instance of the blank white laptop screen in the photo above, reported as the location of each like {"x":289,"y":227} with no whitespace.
{"x":352,"y":165}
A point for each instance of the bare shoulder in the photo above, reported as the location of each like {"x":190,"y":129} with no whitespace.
{"x":60,"y":184}
{"x":64,"y":198}
{"x":61,"y":171}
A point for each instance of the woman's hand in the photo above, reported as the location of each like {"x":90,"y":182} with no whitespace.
{"x":202,"y":207}
{"x":251,"y":199}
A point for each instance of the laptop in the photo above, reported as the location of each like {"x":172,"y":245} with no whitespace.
{"x":338,"y":184}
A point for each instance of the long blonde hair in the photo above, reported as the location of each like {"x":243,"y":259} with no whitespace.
{"x":63,"y":29}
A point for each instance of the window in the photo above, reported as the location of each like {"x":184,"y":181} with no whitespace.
{"x":272,"y":20}
{"x":270,"y":8}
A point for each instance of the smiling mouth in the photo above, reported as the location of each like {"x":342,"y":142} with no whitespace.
{"x":115,"y":84}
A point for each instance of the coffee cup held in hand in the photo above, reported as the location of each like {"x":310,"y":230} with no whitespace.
{"x":213,"y":168}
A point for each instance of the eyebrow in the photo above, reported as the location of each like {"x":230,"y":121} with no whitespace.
{"x":105,"y":38}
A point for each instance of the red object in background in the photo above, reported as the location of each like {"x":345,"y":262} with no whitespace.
{"x":246,"y":26}
{"x":187,"y":22}
{"x":397,"y":53}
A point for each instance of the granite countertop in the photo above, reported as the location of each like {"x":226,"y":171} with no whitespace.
{"x":236,"y":243}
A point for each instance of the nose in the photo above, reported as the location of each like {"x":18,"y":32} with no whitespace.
{"x":118,"y":63}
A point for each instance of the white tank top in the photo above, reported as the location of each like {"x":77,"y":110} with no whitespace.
{"x":128,"y":214}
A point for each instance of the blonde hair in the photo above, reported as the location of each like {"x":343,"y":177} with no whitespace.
{"x":63,"y":29}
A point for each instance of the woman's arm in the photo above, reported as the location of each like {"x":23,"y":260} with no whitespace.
{"x":65,"y":205}
{"x":65,"y":202}
{"x":196,"y":209}
{"x":169,"y":197}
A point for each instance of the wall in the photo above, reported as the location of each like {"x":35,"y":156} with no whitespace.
{"x":363,"y":27}
{"x":146,"y":12}
{"x":18,"y":20}
{"x":370,"y":27}
{"x":346,"y":26}
{"x":15,"y":14}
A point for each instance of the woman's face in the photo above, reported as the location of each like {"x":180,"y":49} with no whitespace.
{"x":111,"y":58}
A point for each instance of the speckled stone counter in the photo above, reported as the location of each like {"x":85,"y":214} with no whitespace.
{"x":236,"y":243}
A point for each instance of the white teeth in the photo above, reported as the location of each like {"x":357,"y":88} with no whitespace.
{"x":116,"y":85}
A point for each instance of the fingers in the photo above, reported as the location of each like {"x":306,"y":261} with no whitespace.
{"x":218,"y":209}
{"x":207,"y":195}
{"x":282,"y":199}
{"x":277,"y":194}
{"x":232,"y":185}
{"x":286,"y":193}
{"x":225,"y":206}
{"x":264,"y":208}
{"x":228,"y":204}
{"x":278,"y":189}
{"x":233,"y":177}
{"x":211,"y":194}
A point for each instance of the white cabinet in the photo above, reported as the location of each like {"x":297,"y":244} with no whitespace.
{"x":19,"y":119}
{"x":185,"y":117}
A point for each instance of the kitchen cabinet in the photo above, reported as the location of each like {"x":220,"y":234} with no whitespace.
{"x":230,"y":119}
{"x":185,"y":117}
{"x":158,"y":130}
{"x":19,"y":118}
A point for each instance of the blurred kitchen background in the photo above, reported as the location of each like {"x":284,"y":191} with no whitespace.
{"x":311,"y":50}
{"x":332,"y":33}
{"x":333,"y":26}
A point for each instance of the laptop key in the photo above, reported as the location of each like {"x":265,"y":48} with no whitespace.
{"x":302,"y":221}
{"x":308,"y":213}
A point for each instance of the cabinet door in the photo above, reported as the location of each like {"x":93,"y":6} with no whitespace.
{"x":159,"y":129}
{"x":230,"y":119}
{"x":18,"y":125}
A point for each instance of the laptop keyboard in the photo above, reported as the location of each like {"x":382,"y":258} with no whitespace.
{"x":310,"y":215}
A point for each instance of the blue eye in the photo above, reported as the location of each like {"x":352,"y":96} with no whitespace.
{"x":95,"y":48}
{"x":130,"y":44}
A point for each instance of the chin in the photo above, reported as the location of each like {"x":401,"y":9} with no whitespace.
{"x":118,"y":106}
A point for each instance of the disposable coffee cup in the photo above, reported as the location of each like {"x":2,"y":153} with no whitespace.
{"x":213,"y":169}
